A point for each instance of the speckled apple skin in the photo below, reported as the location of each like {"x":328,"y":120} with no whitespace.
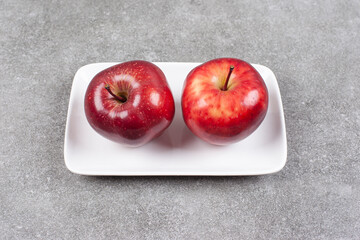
{"x":224,"y":117}
{"x":149,"y":108}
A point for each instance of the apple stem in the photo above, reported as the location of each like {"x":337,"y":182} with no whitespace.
{"x":225,"y":87}
{"x":120,"y":98}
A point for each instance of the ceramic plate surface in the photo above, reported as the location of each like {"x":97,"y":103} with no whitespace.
{"x":177,"y":151}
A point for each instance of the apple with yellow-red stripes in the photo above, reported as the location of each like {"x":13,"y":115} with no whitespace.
{"x":224,"y":100}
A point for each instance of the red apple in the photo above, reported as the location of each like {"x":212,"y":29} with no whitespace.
{"x":129,"y":103}
{"x":224,"y":100}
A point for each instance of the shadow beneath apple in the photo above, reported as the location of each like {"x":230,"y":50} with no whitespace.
{"x":271,"y":131}
{"x":177,"y":135}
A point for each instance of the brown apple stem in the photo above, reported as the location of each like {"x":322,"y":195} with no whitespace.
{"x":225,"y":87}
{"x":120,"y":98}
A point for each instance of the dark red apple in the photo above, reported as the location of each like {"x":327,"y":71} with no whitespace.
{"x":224,"y":100}
{"x":129,"y":103}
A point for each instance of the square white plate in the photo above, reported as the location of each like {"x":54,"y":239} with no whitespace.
{"x":177,"y":151}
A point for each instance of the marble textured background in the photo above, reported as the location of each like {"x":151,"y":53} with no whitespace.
{"x":313,"y":48}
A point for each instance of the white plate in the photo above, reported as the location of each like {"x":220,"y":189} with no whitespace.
{"x":177,"y":151}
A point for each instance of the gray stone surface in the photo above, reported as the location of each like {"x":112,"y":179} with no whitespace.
{"x":313,"y":48}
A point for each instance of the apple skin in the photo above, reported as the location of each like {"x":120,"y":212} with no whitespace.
{"x":224,"y":117}
{"x":149,"y":108}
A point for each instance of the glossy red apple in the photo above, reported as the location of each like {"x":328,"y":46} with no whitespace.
{"x":224,"y":100}
{"x":129,"y":103}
